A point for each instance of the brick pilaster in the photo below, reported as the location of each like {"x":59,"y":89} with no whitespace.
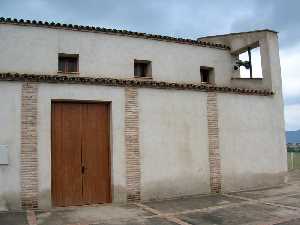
{"x":29,"y":157}
{"x":132,"y":145}
{"x":213,"y":143}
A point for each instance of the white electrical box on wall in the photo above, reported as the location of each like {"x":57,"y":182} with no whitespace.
{"x":3,"y":154}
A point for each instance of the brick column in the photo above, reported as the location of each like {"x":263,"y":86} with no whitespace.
{"x":29,"y":158}
{"x":132,"y":145}
{"x":213,"y":143}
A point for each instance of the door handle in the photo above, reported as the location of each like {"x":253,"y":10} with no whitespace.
{"x":83,"y":169}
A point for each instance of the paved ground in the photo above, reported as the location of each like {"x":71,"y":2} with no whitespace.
{"x":280,"y":206}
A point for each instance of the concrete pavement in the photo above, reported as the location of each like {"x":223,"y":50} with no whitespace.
{"x":278,"y":205}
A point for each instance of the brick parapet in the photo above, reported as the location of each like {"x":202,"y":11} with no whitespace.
{"x":74,"y":27}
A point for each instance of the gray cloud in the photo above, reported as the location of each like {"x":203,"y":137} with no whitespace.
{"x":282,"y":16}
{"x":190,"y":18}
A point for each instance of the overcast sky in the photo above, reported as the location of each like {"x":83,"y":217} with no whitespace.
{"x":188,"y":18}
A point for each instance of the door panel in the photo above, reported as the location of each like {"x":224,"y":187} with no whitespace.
{"x":66,"y":157}
{"x":80,"y":153}
{"x":96,"y":181}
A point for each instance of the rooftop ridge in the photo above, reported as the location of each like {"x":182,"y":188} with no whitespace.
{"x":238,"y":33}
{"x":46,"y":24}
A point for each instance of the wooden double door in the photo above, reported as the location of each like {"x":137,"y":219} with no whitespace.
{"x":80,"y":153}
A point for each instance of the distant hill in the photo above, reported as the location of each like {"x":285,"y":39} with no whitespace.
{"x":292,"y":136}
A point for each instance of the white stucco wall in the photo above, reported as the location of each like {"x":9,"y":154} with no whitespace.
{"x":173,"y":123}
{"x":252,"y":141}
{"x":26,"y":49}
{"x":173,"y":143}
{"x":10,"y":101}
{"x":173,"y":140}
{"x":48,"y":92}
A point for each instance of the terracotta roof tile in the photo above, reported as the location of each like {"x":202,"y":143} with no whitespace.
{"x":130,"y":82}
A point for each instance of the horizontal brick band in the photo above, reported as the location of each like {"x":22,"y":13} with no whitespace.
{"x":129,"y":83}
